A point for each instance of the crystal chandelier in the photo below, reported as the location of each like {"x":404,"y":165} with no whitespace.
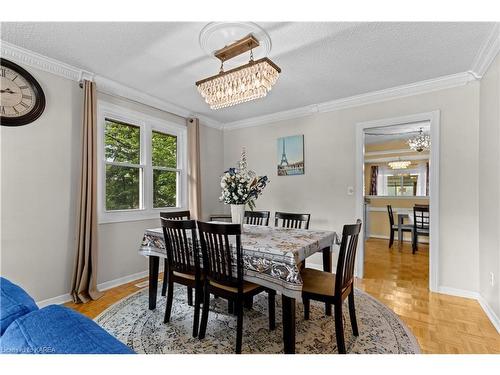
{"x":400,"y":164}
{"x":242,"y":84}
{"x":421,"y":142}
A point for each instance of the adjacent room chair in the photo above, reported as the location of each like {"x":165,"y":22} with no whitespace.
{"x":335,"y":288}
{"x":257,"y":217}
{"x":174,"y":215}
{"x":183,"y":263}
{"x":224,"y":274}
{"x":394,"y":228}
{"x":289,"y":220}
{"x":421,"y":224}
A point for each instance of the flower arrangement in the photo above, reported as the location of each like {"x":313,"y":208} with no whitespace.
{"x":241,"y":186}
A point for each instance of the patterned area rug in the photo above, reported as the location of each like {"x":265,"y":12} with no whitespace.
{"x":380,"y":330}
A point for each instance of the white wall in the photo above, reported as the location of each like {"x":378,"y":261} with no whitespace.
{"x":489,"y":186}
{"x":40,"y":166}
{"x":330,"y":168}
{"x":39,"y":171}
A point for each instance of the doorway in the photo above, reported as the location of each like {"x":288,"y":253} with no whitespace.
{"x":391,"y":172}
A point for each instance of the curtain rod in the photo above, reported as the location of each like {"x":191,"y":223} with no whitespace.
{"x":80,"y":84}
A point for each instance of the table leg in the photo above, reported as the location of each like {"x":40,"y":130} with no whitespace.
{"x":400,"y":230}
{"x":327,"y":267}
{"x":154,"y":263}
{"x":288,"y":324}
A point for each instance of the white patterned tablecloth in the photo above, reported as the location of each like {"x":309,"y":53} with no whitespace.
{"x":270,"y":255}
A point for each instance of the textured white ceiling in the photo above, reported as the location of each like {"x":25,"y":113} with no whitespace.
{"x":320,"y":61}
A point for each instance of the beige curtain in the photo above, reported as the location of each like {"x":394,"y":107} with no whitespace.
{"x":84,"y":284}
{"x":194,"y":175}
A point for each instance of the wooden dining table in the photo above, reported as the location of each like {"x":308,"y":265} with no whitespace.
{"x":271,"y":258}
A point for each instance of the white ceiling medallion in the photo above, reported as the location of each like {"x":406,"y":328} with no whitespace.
{"x":216,"y":35}
{"x":242,"y":83}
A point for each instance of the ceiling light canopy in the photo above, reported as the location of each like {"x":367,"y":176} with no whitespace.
{"x":242,"y":84}
{"x":421,"y":142}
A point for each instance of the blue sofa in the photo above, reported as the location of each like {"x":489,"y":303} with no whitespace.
{"x":26,"y":329}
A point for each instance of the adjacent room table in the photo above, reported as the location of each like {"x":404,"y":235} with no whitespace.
{"x":271,"y":258}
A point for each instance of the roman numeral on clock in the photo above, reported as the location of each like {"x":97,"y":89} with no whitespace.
{"x":26,"y":96}
{"x":24,"y":105}
{"x":23,"y":87}
{"x":2,"y":72}
{"x":2,"y":110}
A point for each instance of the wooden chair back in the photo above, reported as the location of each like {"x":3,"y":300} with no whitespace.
{"x":391,"y":215}
{"x":257,"y":217}
{"x":176,"y":215}
{"x":421,"y":219}
{"x":289,"y":220}
{"x":181,"y":245}
{"x":347,"y":257}
{"x":219,"y":263}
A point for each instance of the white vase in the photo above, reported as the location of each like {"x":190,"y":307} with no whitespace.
{"x":238,"y":214}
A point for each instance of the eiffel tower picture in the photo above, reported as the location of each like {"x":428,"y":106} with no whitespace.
{"x":290,"y":155}
{"x":284,"y":160}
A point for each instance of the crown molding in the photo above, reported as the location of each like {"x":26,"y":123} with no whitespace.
{"x":104,"y":85}
{"x":487,"y":53}
{"x":397,"y":92}
{"x":38,"y":61}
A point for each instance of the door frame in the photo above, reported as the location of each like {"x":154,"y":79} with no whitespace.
{"x":434,"y":118}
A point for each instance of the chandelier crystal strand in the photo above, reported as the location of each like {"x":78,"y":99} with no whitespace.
{"x":400,"y":164}
{"x":420,"y":143}
{"x":250,"y":82}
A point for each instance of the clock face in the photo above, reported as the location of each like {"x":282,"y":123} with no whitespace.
{"x":17,"y":97}
{"x":21,"y":98}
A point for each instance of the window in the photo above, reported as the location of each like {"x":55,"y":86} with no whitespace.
{"x":142,"y":169}
{"x":410,"y":182}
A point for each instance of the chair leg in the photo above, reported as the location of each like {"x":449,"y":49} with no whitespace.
{"x":272,"y":309}
{"x":339,"y":328}
{"x":249,"y":302}
{"x":165,"y":279}
{"x":190,"y":295}
{"x":198,"y":295}
{"x":352,"y":314}
{"x":414,"y":242}
{"x":170,"y":297}
{"x":204,"y":313}
{"x":307,"y":305}
{"x":239,"y":325}
{"x":391,"y":238}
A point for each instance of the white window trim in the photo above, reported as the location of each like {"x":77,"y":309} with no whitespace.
{"x":147,"y":124}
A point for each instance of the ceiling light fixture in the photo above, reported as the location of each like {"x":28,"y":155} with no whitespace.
{"x":421,"y":142}
{"x":242,"y":84}
{"x":400,"y":164}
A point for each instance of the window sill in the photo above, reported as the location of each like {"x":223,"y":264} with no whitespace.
{"x":125,"y":216}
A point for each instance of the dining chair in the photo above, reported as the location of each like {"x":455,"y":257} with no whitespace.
{"x":257,"y":217}
{"x":394,"y":228}
{"x":223,"y":271}
{"x":183,"y":263}
{"x":174,"y":215}
{"x":289,"y":220}
{"x":421,"y":224}
{"x":334,"y":288}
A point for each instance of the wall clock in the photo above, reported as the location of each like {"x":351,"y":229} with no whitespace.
{"x":22,"y":99}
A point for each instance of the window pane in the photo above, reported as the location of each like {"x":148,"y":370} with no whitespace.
{"x":122,"y":187}
{"x":164,"y":188}
{"x":164,"y":150}
{"x":122,"y":142}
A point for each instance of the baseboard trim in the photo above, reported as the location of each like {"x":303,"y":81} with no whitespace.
{"x":122,"y":280}
{"x":59,"y":300}
{"x":494,"y":319}
{"x":458,"y":292}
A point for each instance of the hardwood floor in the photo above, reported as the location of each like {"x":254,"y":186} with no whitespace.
{"x":441,"y":323}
